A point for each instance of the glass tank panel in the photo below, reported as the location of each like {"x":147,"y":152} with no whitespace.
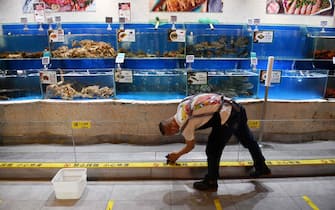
{"x":287,"y":42}
{"x":151,"y":42}
{"x":231,"y":83}
{"x":298,"y":85}
{"x":15,"y":46}
{"x":19,"y":85}
{"x":81,"y":84}
{"x":218,"y":42}
{"x":163,"y":84}
{"x":330,"y":92}
{"x":324,"y":45}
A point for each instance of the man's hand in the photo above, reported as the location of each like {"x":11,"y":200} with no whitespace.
{"x":172,"y":157}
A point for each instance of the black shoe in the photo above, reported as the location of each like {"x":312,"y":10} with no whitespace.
{"x":265,"y":171}
{"x":206,"y":185}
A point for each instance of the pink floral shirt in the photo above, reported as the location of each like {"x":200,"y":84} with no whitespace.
{"x":195,"y":111}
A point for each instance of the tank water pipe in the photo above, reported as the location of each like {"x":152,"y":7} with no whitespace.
{"x":190,"y":39}
{"x":249,"y":24}
{"x":173,"y":19}
{"x":253,"y":61}
{"x":293,"y":65}
{"x":157,"y":23}
{"x":208,"y":21}
{"x":40,"y":28}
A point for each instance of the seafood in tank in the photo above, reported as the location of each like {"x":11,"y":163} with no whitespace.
{"x":90,"y":84}
{"x":67,"y":92}
{"x":231,"y":83}
{"x":85,"y":49}
{"x":324,"y":45}
{"x":220,"y":46}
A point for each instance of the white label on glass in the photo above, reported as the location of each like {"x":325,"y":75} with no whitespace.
{"x":253,"y":61}
{"x":189,"y":58}
{"x":275,"y":76}
{"x":45,"y":60}
{"x":120,"y":58}
{"x":127,"y":35}
{"x":56,"y":35}
{"x":48,"y":77}
{"x":263,"y":36}
{"x":178,"y":35}
{"x":197,"y":78}
{"x":123,"y":76}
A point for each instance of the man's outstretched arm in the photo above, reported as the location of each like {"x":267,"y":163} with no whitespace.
{"x":189,"y":145}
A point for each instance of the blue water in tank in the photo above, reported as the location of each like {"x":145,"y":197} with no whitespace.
{"x":297,"y":85}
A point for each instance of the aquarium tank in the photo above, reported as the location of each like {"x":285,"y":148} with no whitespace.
{"x":84,"y":43}
{"x":19,"y":44}
{"x":297,"y":85}
{"x":83,"y":59}
{"x":147,"y":41}
{"x":288,"y":42}
{"x":150,"y":84}
{"x":81,"y":84}
{"x":218,"y":41}
{"x":19,"y":85}
{"x":234,"y":83}
{"x":323,"y":40}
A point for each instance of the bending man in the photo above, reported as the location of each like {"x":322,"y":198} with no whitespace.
{"x":226,"y":118}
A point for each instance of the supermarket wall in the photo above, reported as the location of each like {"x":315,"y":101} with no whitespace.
{"x":234,"y":11}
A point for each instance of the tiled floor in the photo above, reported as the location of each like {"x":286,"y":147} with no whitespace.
{"x":234,"y":194}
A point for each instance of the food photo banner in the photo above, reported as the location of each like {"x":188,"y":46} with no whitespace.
{"x":186,"y":5}
{"x":300,"y":7}
{"x":61,"y":5}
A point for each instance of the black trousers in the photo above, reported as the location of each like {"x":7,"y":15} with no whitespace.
{"x":219,"y":136}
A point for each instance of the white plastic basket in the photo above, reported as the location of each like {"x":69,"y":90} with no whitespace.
{"x":69,"y":183}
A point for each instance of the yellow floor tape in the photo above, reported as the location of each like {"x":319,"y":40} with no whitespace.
{"x":157,"y":164}
{"x":310,"y":202}
{"x":110,"y":205}
{"x":217,"y":204}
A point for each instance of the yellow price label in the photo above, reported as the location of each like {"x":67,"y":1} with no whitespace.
{"x":81,"y":124}
{"x":254,"y":123}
